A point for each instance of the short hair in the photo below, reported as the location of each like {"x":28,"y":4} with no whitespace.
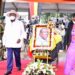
{"x":41,"y":30}
{"x":73,"y":15}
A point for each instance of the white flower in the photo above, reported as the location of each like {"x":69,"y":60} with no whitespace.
{"x":43,"y":68}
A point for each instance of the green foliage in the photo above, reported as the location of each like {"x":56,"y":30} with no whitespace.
{"x":2,"y":17}
{"x":39,"y":62}
{"x":47,"y":16}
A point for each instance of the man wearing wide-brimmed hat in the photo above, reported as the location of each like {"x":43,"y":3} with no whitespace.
{"x":13,"y":35}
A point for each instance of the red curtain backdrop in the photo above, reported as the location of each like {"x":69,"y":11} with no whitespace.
{"x":31,"y":10}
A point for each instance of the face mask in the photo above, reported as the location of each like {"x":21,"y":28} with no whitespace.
{"x":12,"y":17}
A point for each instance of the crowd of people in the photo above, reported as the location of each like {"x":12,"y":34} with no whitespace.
{"x":15,"y":33}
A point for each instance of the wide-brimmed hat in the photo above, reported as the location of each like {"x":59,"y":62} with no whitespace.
{"x":12,"y":11}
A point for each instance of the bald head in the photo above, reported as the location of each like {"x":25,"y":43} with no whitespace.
{"x":44,"y":33}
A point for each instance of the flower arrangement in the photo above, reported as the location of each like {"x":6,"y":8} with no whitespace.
{"x":39,"y":68}
{"x":41,"y":53}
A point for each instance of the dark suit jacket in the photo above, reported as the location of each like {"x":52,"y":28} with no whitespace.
{"x":68,"y":33}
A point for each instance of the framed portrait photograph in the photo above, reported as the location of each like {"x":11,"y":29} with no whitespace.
{"x":42,"y":37}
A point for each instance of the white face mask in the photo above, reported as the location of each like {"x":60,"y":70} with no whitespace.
{"x":12,"y":17}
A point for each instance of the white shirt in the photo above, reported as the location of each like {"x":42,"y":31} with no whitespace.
{"x":12,"y":32}
{"x":41,"y":42}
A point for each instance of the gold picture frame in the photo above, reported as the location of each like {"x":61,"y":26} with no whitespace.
{"x":35,"y":35}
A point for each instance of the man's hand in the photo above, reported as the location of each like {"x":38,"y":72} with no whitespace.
{"x":18,"y":41}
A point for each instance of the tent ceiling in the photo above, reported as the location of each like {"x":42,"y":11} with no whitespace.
{"x":16,"y":6}
{"x":44,"y":7}
{"x":58,"y":7}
